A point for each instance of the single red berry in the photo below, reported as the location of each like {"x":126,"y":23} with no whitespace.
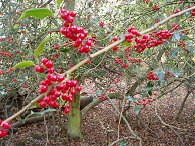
{"x":39,"y":69}
{"x":193,"y":12}
{"x":78,"y":88}
{"x":72,"y":92}
{"x":67,"y":110}
{"x":168,"y":73}
{"x":43,"y":88}
{"x":3,"y":133}
{"x":42,"y":104}
{"x":44,"y":60}
{"x":5,"y":125}
{"x":60,"y":78}
{"x":65,"y":97}
{"x":67,"y":105}
{"x":115,"y":38}
{"x":51,"y":70}
{"x":49,"y":64}
{"x":73,"y":83}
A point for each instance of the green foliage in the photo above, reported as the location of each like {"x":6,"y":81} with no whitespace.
{"x":24,"y":64}
{"x":38,"y":13}
{"x":40,"y":48}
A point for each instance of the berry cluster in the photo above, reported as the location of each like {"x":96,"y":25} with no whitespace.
{"x":152,"y":40}
{"x":5,"y":126}
{"x":75,"y":33}
{"x":146,"y":41}
{"x":5,"y":54}
{"x":120,"y":61}
{"x":151,"y":76}
{"x":156,"y":7}
{"x":66,"y":90}
{"x":102,"y":97}
{"x":144,"y":102}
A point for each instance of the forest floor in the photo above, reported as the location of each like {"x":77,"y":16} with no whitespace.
{"x":100,"y":127}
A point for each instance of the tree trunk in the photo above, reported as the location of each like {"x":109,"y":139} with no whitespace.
{"x":74,"y":119}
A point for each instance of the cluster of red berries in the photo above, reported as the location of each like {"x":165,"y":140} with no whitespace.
{"x":144,"y":102}
{"x":5,"y":126}
{"x":102,"y":97}
{"x":75,"y":33}
{"x":152,"y":40}
{"x":5,"y":54}
{"x":152,"y":76}
{"x":156,"y":7}
{"x":66,"y":90}
{"x":132,"y":33}
{"x":146,"y":41}
{"x":120,"y":61}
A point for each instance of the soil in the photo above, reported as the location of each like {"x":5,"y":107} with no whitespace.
{"x":100,"y":127}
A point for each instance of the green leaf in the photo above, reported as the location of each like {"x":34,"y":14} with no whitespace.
{"x":39,"y":13}
{"x":24,"y":64}
{"x":59,"y":2}
{"x":40,"y":47}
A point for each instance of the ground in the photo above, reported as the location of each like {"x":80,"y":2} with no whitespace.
{"x":100,"y":127}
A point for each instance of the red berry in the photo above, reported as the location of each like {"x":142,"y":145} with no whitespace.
{"x":43,"y":88}
{"x":65,"y":97}
{"x":39,"y":69}
{"x":49,"y":64}
{"x":42,"y":104}
{"x":66,"y":110}
{"x":193,"y":12}
{"x":60,"y":78}
{"x":67,"y":105}
{"x":78,"y":88}
{"x":51,"y":70}
{"x":115,"y":48}
{"x":72,"y":92}
{"x":3,"y":133}
{"x":44,"y":60}
{"x":115,"y":38}
{"x":168,"y":73}
{"x":5,"y":125}
{"x":73,"y":83}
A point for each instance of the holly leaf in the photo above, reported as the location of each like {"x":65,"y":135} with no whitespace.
{"x":24,"y":64}
{"x":40,"y":48}
{"x":38,"y":13}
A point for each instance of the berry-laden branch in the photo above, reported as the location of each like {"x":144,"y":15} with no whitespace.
{"x":123,"y":39}
{"x":91,"y":56}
